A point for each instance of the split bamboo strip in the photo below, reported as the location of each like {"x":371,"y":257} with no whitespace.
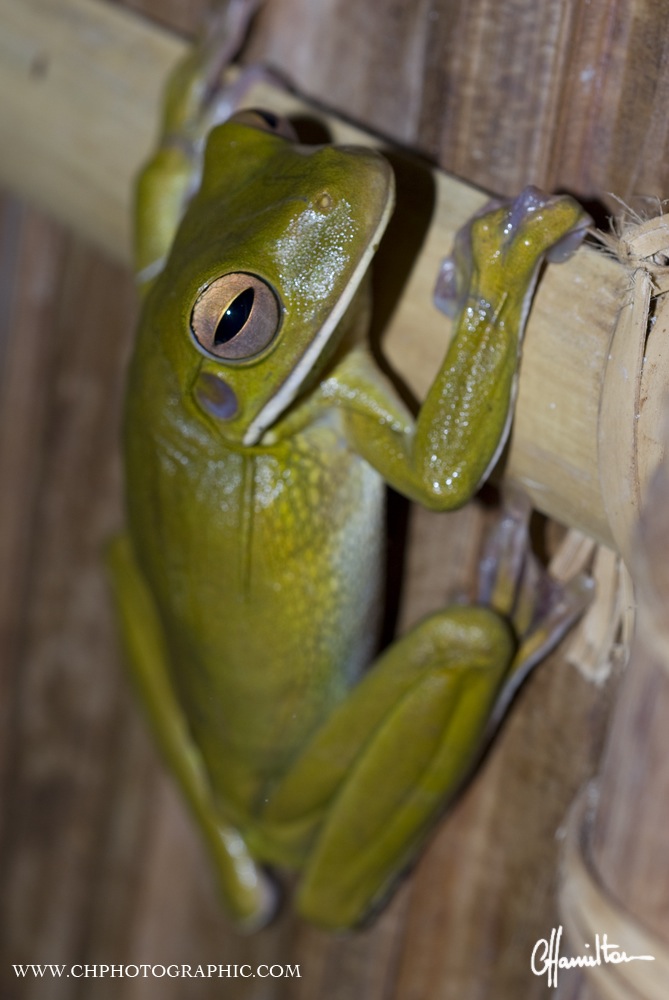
{"x":82,"y":82}
{"x":592,"y":912}
{"x":616,"y":849}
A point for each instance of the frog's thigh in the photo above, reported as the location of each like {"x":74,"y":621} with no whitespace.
{"x":410,"y":764}
{"x":244,"y":888}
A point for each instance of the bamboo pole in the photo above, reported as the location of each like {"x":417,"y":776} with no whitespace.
{"x":614,"y":865}
{"x":82,"y":83}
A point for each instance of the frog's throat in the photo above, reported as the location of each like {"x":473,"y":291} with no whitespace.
{"x":287,"y":392}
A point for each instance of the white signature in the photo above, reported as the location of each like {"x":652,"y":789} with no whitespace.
{"x":546,"y":958}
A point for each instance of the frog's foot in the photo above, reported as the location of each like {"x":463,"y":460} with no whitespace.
{"x":225,"y":34}
{"x":197,"y":96}
{"x":518,"y":228}
{"x":513,"y":582}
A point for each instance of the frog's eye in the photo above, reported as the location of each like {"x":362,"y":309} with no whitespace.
{"x":266,"y":121}
{"x":236,"y":316}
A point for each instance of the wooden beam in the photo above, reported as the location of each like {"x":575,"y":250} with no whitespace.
{"x":82,"y":83}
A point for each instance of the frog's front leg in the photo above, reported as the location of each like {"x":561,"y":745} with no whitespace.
{"x":247,"y":893}
{"x":440,"y":459}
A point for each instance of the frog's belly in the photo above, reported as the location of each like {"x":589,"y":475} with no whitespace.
{"x":269,"y":588}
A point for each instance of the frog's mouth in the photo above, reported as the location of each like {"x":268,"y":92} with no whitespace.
{"x":290,"y":388}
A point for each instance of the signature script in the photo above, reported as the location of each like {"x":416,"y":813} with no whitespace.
{"x":546,"y":957}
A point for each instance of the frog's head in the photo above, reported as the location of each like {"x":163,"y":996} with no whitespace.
{"x":265,"y":265}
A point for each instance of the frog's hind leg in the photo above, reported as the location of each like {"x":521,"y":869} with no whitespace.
{"x":246,"y":891}
{"x":383,"y":765}
{"x":390,"y":758}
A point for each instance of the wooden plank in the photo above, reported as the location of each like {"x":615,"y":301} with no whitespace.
{"x":85,"y":81}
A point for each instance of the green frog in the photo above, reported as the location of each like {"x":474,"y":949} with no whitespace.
{"x":260,"y":436}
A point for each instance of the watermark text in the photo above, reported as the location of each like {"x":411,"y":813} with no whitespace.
{"x":547,"y":960}
{"x":157,"y":971}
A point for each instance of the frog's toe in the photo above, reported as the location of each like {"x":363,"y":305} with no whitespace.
{"x":514,"y":583}
{"x":268,"y":906}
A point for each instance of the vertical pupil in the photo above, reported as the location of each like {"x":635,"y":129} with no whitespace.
{"x":234,"y":317}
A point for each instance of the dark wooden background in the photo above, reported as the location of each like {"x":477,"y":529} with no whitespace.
{"x":98,"y":863}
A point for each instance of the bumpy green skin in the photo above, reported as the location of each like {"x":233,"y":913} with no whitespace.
{"x":249,"y":574}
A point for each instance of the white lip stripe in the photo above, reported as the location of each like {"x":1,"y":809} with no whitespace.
{"x":287,"y":392}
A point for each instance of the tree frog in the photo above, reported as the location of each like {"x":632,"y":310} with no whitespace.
{"x":259,"y":439}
